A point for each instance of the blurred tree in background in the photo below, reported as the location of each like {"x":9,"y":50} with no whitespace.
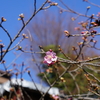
{"x":47,"y":30}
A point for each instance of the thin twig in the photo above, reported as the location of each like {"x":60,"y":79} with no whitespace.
{"x":6,"y":32}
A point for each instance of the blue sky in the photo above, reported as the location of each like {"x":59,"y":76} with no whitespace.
{"x":10,"y":9}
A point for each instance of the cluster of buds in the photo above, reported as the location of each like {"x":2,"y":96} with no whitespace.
{"x":3,"y":61}
{"x":67,"y":33}
{"x":95,"y":23}
{"x":80,"y":43}
{"x":73,"y":18}
{"x":87,"y":76}
{"x":49,"y":1}
{"x":85,"y":32}
{"x":19,"y":48}
{"x":93,"y":32}
{"x":93,"y":85}
{"x":77,"y":28}
{"x":2,"y":45}
{"x":28,"y":71}
{"x":62,"y":79}
{"x":21,"y":16}
{"x":49,"y":70}
{"x":25,"y":36}
{"x":88,"y":7}
{"x":61,"y":11}
{"x":53,"y":4}
{"x":84,"y":24}
{"x":95,"y":41}
{"x":3,"y":19}
{"x":84,"y":38}
{"x":74,"y":48}
{"x":94,"y":88}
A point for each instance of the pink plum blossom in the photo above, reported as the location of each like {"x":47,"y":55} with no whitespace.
{"x":50,"y":57}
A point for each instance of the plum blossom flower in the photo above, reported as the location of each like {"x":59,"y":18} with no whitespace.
{"x":50,"y":57}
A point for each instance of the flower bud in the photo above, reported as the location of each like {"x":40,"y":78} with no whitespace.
{"x":3,"y":19}
{"x":88,"y":7}
{"x":67,"y":33}
{"x":28,"y":71}
{"x":1,"y":45}
{"x":24,"y":36}
{"x":74,"y":48}
{"x":72,"y":18}
{"x":19,"y":48}
{"x":53,"y":4}
{"x":21,"y":15}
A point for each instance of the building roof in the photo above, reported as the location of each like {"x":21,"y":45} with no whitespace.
{"x":6,"y":86}
{"x":4,"y":76}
